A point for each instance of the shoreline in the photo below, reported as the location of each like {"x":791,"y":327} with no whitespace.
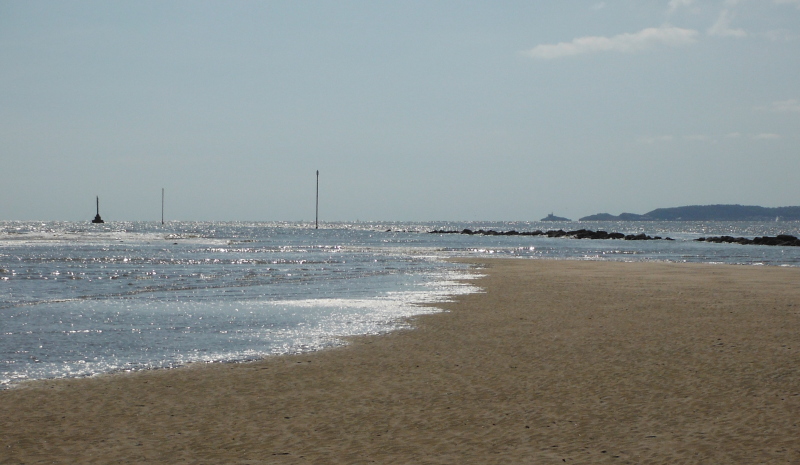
{"x":557,"y":361}
{"x":395,"y":305}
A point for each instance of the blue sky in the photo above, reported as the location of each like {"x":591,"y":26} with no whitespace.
{"x":413,"y":110}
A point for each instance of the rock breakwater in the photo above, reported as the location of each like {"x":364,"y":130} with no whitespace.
{"x":779,"y":240}
{"x":577,"y":234}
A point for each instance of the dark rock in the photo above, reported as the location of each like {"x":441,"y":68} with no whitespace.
{"x":784,"y":240}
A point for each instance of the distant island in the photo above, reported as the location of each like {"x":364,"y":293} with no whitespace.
{"x":552,"y":217}
{"x":706,"y":213}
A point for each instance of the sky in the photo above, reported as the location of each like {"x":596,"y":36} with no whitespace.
{"x":410,"y":110}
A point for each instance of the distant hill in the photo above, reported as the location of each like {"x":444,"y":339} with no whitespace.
{"x":620,"y":217}
{"x":706,"y":213}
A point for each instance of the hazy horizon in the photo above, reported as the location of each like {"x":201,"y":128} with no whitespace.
{"x":110,"y":218}
{"x":411,"y":111}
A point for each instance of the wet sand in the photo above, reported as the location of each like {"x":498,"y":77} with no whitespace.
{"x":557,"y":362}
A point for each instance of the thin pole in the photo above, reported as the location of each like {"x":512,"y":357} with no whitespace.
{"x":162,"y":205}
{"x":316,"y":217}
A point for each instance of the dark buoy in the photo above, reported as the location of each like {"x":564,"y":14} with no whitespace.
{"x":97,"y":218}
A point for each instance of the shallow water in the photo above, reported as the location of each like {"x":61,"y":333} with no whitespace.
{"x":78,"y":299}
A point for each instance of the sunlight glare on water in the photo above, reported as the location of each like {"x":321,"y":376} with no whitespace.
{"x":78,"y":299}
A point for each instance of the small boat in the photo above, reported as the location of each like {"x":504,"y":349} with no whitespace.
{"x":97,"y":218}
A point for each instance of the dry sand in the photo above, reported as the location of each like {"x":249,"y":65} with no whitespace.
{"x":558,"y":362}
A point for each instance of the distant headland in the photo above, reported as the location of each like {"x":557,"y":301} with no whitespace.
{"x":706,"y":213}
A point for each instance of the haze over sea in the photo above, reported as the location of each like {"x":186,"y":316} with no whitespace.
{"x":78,"y":299}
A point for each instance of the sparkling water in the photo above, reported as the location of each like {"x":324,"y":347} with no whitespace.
{"x":78,"y":299}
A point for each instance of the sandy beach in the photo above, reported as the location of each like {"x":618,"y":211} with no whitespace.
{"x":557,"y":362}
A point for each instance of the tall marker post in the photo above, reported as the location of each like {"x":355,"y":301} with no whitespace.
{"x":316,"y":216}
{"x":97,"y":218}
{"x":162,"y":205}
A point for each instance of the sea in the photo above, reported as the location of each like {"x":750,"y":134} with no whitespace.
{"x":80,"y":299}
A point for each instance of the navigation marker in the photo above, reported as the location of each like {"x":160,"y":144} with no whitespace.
{"x":97,"y":218}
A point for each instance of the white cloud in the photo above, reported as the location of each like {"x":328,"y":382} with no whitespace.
{"x":766,"y":136}
{"x":599,"y":6}
{"x":786,"y":106}
{"x":626,"y":43}
{"x":698,"y":138}
{"x":780,"y":35}
{"x":675,"y":4}
{"x":723,"y":26}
